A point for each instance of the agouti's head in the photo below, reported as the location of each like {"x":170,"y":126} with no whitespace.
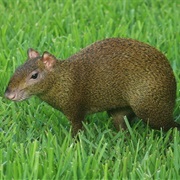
{"x":31,"y":78}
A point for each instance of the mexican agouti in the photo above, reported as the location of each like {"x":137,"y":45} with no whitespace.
{"x":124,"y":77}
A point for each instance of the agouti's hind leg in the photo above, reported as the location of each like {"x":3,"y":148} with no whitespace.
{"x":118,"y":117}
{"x":159,"y":117}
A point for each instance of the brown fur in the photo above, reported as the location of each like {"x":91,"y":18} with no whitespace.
{"x":121,"y":76}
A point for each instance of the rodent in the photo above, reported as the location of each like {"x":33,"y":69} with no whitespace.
{"x":122,"y":76}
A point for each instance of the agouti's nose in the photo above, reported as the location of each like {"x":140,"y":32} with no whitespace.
{"x":9,"y":94}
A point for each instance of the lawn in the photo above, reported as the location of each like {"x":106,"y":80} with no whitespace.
{"x":35,"y":139}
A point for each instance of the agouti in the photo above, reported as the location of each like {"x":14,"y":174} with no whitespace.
{"x":124,"y":77}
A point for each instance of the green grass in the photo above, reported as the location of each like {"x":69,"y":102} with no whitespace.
{"x":35,"y":139}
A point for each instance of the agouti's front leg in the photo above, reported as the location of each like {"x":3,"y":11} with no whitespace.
{"x":76,"y":127}
{"x":76,"y":119}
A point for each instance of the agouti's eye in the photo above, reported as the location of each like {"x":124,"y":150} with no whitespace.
{"x":34,"y":76}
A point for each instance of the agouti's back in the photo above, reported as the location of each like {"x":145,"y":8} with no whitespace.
{"x":121,"y":76}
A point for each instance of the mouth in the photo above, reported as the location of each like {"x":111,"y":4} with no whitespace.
{"x":15,"y":95}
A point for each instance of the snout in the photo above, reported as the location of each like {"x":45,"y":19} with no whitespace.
{"x":10,"y":94}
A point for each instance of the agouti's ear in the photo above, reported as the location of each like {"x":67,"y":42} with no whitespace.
{"x":32,"y":53}
{"x":49,"y":60}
